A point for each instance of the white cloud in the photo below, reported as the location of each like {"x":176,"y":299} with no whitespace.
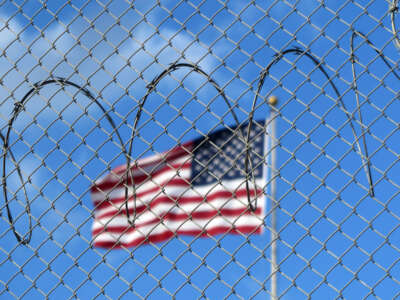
{"x":164,"y":48}
{"x":9,"y":30}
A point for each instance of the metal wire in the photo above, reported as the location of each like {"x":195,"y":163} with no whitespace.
{"x":300,"y":52}
{"x":21,"y":240}
{"x":331,"y":215}
{"x":151,"y":88}
{"x":19,"y":106}
{"x":367,"y":163}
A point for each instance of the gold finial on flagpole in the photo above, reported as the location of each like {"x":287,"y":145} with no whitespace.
{"x":273,"y":100}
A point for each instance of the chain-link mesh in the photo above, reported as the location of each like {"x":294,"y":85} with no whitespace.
{"x":87,"y":86}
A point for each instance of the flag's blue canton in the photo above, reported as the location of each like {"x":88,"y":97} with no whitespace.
{"x":221,"y":155}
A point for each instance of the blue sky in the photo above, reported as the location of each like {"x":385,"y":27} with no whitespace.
{"x":335,"y":240}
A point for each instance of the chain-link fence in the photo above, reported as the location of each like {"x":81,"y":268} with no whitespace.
{"x":90,"y":87}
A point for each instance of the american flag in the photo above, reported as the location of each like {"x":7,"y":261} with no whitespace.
{"x":197,"y":188}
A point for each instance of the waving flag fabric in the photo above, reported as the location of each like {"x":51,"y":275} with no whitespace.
{"x":197,"y":188}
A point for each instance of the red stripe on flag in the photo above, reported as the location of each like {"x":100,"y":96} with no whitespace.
{"x":160,"y":237}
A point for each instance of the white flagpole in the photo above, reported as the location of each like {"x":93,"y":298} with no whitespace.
{"x":273,"y":101}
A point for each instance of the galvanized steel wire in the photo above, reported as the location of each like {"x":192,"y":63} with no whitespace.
{"x":299,"y":214}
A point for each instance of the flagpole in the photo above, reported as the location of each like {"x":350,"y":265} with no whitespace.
{"x":273,"y":101}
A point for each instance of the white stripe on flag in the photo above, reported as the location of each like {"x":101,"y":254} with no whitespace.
{"x":197,"y":225}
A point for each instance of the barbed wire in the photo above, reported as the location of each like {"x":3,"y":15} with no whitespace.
{"x":366,"y":161}
{"x":350,"y":117}
{"x":151,"y":87}
{"x":20,"y":106}
{"x":20,"y":239}
{"x":363,"y":152}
